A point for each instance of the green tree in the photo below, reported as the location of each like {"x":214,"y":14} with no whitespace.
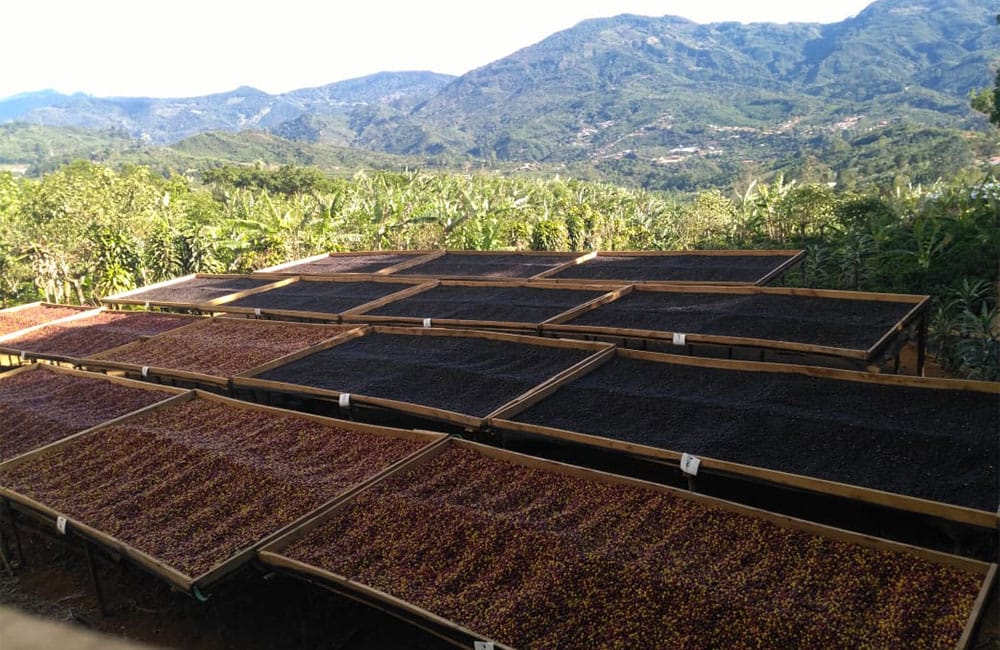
{"x":987,"y":101}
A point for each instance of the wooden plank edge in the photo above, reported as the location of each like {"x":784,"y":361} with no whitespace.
{"x":942,"y":510}
{"x":149,"y":287}
{"x":73,"y":372}
{"x":414,"y":409}
{"x":785,"y":521}
{"x":392,"y":297}
{"x":22,"y":307}
{"x":562,"y":267}
{"x":157,"y":372}
{"x":803,"y":292}
{"x":159,"y":569}
{"x":178,"y":395}
{"x":918,"y":311}
{"x":552,"y":384}
{"x":196,"y":321}
{"x":524,"y":283}
{"x":418,"y":259}
{"x":244,"y":555}
{"x":987,"y":387}
{"x":286,"y":315}
{"x":777,"y":345}
{"x":279,"y":281}
{"x":229,"y":297}
{"x":371,"y":597}
{"x":281,"y":542}
{"x":508,"y":337}
{"x":978,"y":609}
{"x":84,"y":312}
{"x":347,"y":335}
{"x":101,"y":360}
{"x":528,"y":328}
{"x":590,"y":305}
{"x":278,"y":268}
{"x":351,"y":425}
{"x":783,"y":268}
{"x":332,"y":395}
{"x":182,"y":395}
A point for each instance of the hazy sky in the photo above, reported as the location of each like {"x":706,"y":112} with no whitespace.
{"x":187,"y":47}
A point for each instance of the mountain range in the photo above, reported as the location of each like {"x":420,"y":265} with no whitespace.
{"x":612,"y":92}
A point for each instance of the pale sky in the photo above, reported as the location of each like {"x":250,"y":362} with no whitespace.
{"x":183,"y":48}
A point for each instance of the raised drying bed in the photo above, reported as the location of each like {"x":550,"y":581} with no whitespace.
{"x":482,"y":265}
{"x":927,"y":446}
{"x":456,"y":376}
{"x":210,"y":351}
{"x":479,"y":543}
{"x":857,"y":326}
{"x":317,"y":298}
{"x":189,"y":488}
{"x":683,"y":267}
{"x":40,"y":404}
{"x":464,"y":303}
{"x":377,"y":262}
{"x":193,"y":291}
{"x":15,"y":320}
{"x":69,"y":340}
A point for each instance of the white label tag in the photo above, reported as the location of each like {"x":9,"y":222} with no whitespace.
{"x":23,"y":355}
{"x":482,"y":645}
{"x":427,"y":322}
{"x":344,"y":400}
{"x":144,"y":371}
{"x":689,"y":464}
{"x":146,"y":305}
{"x":679,"y":338}
{"x":61,"y":524}
{"x":256,"y":312}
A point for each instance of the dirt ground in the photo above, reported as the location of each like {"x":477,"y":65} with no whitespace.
{"x":253,"y":611}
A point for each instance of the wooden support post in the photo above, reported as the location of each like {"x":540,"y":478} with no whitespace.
{"x":921,"y":345}
{"x":92,"y":566}
{"x":5,"y":561}
{"x":5,"y":554}
{"x":302,"y":611}
{"x":216,"y":606}
{"x":9,"y":513}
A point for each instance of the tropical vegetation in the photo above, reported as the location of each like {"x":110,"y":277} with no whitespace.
{"x":87,"y":230}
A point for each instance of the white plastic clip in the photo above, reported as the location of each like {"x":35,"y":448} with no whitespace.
{"x":61,"y":524}
{"x":146,"y":305}
{"x":144,"y":371}
{"x":256,"y":312}
{"x":427,"y":322}
{"x":482,"y":645}
{"x":24,"y":356}
{"x":689,"y":464}
{"x":344,"y":400}
{"x":679,"y":338}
